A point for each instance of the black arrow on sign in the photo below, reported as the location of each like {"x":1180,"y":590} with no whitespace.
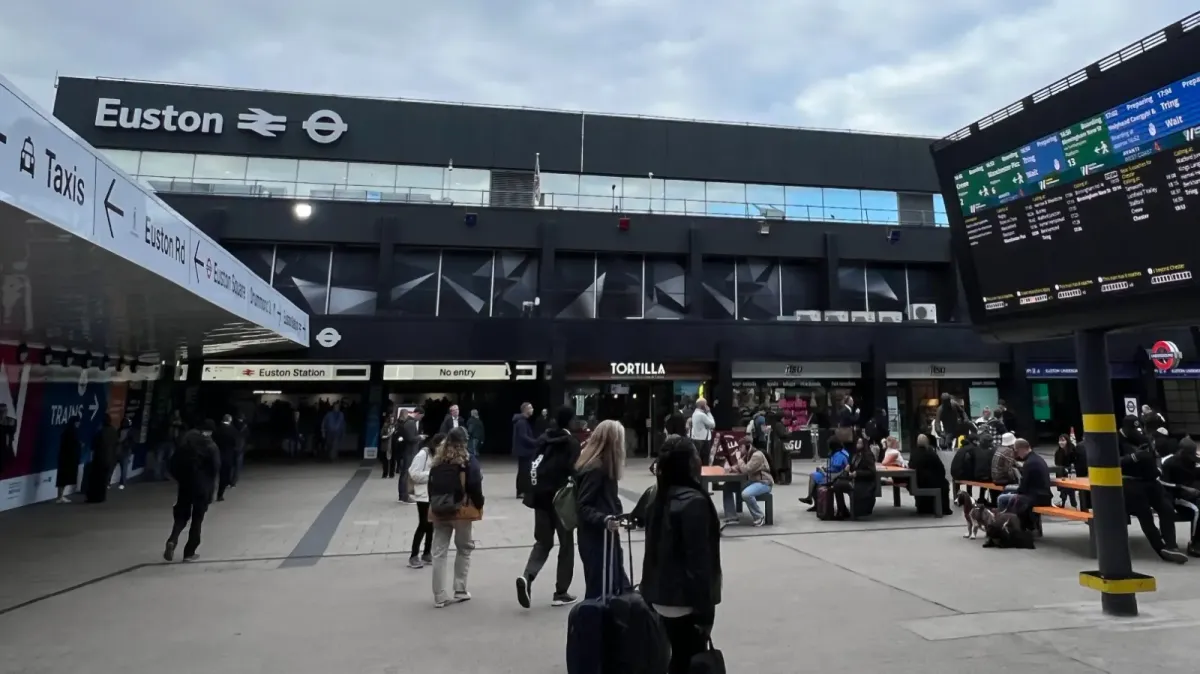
{"x":110,"y":208}
{"x":197,"y":261}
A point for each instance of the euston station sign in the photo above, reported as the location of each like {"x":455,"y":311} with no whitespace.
{"x":322,"y":126}
{"x":250,"y":372}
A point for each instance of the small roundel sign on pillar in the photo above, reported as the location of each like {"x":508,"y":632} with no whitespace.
{"x":1165,"y":355}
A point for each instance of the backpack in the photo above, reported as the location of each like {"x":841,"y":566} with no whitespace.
{"x":982,"y":463}
{"x":566,"y":507}
{"x":962,"y":466}
{"x":443,"y":502}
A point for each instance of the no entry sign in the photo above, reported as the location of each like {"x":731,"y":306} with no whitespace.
{"x":1165,"y":355}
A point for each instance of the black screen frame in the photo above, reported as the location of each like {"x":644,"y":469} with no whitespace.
{"x":1176,"y":55}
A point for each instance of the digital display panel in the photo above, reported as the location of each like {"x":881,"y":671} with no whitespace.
{"x":1108,"y":206}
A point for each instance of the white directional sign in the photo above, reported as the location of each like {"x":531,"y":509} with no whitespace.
{"x":50,"y":173}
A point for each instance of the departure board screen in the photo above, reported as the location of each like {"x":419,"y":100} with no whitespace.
{"x":1107,"y":207}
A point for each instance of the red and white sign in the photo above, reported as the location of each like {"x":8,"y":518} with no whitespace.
{"x":1165,"y":355}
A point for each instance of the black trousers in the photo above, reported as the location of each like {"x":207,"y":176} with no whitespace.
{"x":523,"y":467}
{"x":704,"y":448}
{"x":1143,"y":498}
{"x":225,"y":478}
{"x":1191,"y":507}
{"x":546,"y":526}
{"x":189,"y":506}
{"x":687,"y":641}
{"x":424,"y":529}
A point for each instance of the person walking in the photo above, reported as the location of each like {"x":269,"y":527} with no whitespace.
{"x":703,"y":425}
{"x":418,"y":472}
{"x":68,"y":459}
{"x":524,"y":446}
{"x":681,"y":569}
{"x":333,"y":428}
{"x":410,"y":443}
{"x":474,"y":433}
{"x":195,"y":467}
{"x":554,"y":465}
{"x":455,"y":504}
{"x":98,"y":474}
{"x":452,"y":421}
{"x":388,"y":432}
{"x":242,"y":435}
{"x":599,"y":468}
{"x":124,"y":456}
{"x":225,"y":437}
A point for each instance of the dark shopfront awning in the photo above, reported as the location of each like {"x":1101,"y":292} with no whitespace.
{"x":90,"y":260}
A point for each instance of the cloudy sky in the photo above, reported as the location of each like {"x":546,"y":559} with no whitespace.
{"x":918,"y":66}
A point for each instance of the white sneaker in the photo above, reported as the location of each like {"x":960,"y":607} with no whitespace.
{"x":1058,"y":503}
{"x":120,"y":486}
{"x":61,"y":499}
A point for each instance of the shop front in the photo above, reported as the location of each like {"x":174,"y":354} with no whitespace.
{"x":641,"y":395}
{"x":914,"y":390}
{"x":494,"y":390}
{"x":799,"y":394}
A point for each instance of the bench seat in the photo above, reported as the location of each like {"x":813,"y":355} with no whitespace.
{"x":982,"y":485}
{"x":1064,"y":513}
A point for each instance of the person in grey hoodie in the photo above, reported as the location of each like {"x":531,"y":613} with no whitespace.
{"x":524,"y":446}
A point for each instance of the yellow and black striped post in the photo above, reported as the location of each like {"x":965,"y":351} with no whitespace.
{"x":1115,"y":579}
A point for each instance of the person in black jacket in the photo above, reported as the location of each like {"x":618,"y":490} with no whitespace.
{"x":1182,"y":479}
{"x":1065,"y":458}
{"x":599,"y":468}
{"x":195,"y":466}
{"x":1144,"y":495}
{"x":681,"y":570}
{"x":931,"y":472}
{"x":1034,"y":488}
{"x":226,"y":439}
{"x":554,"y":465}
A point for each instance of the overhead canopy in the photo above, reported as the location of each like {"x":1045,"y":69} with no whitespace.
{"x":91,"y":260}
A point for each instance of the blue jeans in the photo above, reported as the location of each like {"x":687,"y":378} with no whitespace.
{"x":1003,"y":501}
{"x":123,"y":464}
{"x":162,"y":459}
{"x":591,"y":553}
{"x":750,"y":495}
{"x":473,"y":448}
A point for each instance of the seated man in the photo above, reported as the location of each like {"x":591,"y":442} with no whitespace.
{"x":1034,"y":489}
{"x":752,"y":462}
{"x":1144,"y":494}
{"x":1179,"y":477}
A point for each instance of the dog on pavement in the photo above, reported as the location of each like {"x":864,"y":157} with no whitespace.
{"x":977,"y":514}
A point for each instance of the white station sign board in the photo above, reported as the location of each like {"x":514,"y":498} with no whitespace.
{"x":48,"y":172}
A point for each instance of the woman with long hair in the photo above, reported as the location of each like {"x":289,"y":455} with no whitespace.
{"x":599,"y":469}
{"x":419,"y":473}
{"x":455,"y":503}
{"x":681,"y":571}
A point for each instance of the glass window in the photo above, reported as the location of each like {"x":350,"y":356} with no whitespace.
{"x":257,"y":257}
{"x":220,"y":167}
{"x":466,"y":278}
{"x":683,"y":197}
{"x":887,"y":287}
{"x":126,"y":160}
{"x":264,"y":169}
{"x":726,"y":199}
{"x":842,"y":205}
{"x":320,"y":179}
{"x":800,"y":287}
{"x":758,"y":289}
{"x":420,"y":183}
{"x":167,"y":165}
{"x":766,"y":201}
{"x":852,"y":288}
{"x":880,"y":207}
{"x":939,"y":211}
{"x":469,"y":186}
{"x":353,"y":280}
{"x":618,"y":286}
{"x":641,"y":195}
{"x":371,"y":175}
{"x":599,"y":193}
{"x":515,"y":282}
{"x":302,"y":276}
{"x":560,"y":190}
{"x":718,"y":289}
{"x":573,"y":290}
{"x":666,"y":288}
{"x":804,"y":203}
{"x":414,"y":284}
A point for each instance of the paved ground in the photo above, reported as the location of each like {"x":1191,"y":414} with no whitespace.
{"x":304,"y":573}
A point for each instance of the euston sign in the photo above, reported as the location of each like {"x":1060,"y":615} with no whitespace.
{"x":322,"y":126}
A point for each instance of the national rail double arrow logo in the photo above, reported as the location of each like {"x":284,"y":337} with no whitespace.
{"x":1165,"y":355}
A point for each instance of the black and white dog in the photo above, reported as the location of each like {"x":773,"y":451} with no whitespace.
{"x":977,"y":514}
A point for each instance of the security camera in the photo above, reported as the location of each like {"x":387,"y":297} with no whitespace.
{"x":893,"y":236}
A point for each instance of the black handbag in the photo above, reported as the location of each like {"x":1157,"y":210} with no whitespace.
{"x":710,"y":661}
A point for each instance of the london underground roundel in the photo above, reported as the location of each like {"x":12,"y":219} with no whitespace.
{"x":1165,"y":355}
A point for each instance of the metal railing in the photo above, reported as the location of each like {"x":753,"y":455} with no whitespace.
{"x":548,"y":201}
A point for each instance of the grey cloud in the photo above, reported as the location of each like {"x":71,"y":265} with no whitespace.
{"x":927,"y":67}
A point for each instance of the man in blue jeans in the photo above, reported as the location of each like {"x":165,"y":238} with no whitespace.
{"x":1034,"y":489}
{"x":752,"y":463}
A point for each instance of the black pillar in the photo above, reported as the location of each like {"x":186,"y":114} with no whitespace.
{"x":1017,"y":394}
{"x":694,"y":283}
{"x":875,"y":380}
{"x":558,"y":370}
{"x":724,"y":411}
{"x":1110,"y":524}
{"x":829,"y":274}
{"x":386,"y":235}
{"x":546,"y":288}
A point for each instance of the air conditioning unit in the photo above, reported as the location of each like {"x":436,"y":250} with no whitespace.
{"x":862,"y":316}
{"x":787,"y":319}
{"x":837,"y":316}
{"x":890,"y":317}
{"x":808,"y":315}
{"x":922,"y":312}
